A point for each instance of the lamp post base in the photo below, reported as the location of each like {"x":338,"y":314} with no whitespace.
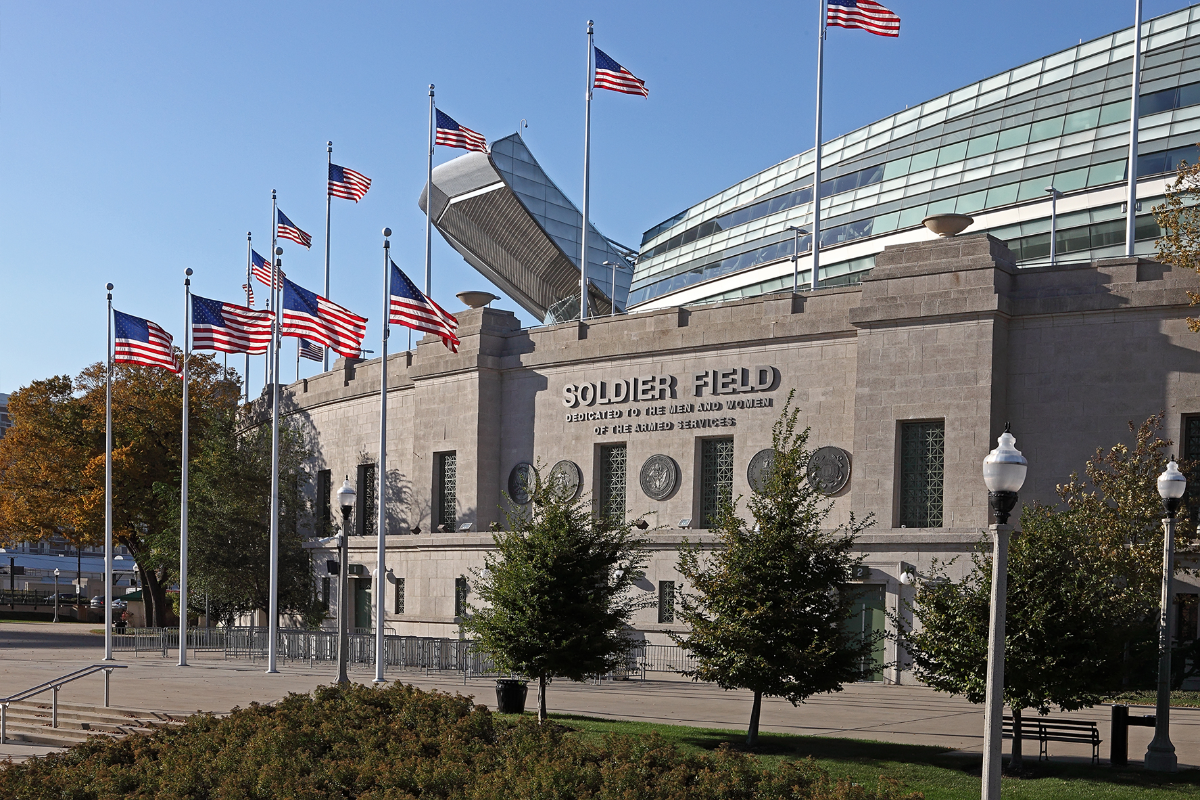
{"x":1161,"y":758}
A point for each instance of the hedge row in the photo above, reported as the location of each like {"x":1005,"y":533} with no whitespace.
{"x":401,"y":742}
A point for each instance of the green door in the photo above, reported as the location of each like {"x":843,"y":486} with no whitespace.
{"x":867,"y":619}
{"x":362,"y":602}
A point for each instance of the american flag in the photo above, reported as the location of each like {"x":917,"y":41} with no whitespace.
{"x":140,"y":341}
{"x":260,"y":268}
{"x":310,"y":316}
{"x":865,"y":14}
{"x":347,"y":183}
{"x":412,"y":309}
{"x":229,"y":328}
{"x":313,"y":352}
{"x":249,"y":290}
{"x":451,"y":134}
{"x":286,"y":230}
{"x":611,"y":75}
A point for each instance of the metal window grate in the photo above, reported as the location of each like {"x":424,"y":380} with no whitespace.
{"x":460,"y":597}
{"x":716,"y":478}
{"x":367,"y":509}
{"x":399,"y":596}
{"x":447,"y":489}
{"x":922,"y":473}
{"x":324,"y":501}
{"x":666,"y":601}
{"x":612,"y":481}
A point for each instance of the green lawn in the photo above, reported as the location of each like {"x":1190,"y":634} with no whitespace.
{"x":1148,"y":698}
{"x":938,"y":773}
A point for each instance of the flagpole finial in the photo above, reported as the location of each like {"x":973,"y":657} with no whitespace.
{"x":431,"y":90}
{"x":109,"y":286}
{"x":387,"y":232}
{"x":247,"y":236}
{"x":272,"y":194}
{"x":328,"y":147}
{"x":278,"y":251}
{"x":590,"y":24}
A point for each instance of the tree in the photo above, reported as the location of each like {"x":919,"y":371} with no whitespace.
{"x":557,"y":590}
{"x":1179,"y":220}
{"x":1083,"y":594}
{"x":767,"y":604}
{"x":52,"y":477}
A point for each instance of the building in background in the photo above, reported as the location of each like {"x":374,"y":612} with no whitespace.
{"x":5,"y":420}
{"x":989,"y":150}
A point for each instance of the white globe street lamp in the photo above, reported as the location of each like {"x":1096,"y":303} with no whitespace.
{"x":1004,"y":474}
{"x":1160,"y":755}
{"x":56,"y":574}
{"x":346,"y":496}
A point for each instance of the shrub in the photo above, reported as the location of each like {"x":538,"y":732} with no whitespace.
{"x":401,"y":742}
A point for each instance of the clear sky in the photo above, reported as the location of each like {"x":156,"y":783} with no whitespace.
{"x":138,"y":139}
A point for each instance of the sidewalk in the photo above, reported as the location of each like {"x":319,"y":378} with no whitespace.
{"x":31,"y":654}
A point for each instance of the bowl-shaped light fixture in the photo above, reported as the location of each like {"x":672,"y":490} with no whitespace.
{"x":1004,"y":468}
{"x":346,"y":494}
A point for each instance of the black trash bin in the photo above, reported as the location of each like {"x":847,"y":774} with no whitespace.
{"x":510,"y":696}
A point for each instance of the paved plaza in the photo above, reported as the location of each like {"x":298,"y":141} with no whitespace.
{"x":33,"y":653}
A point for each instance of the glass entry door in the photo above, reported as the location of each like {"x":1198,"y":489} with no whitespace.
{"x":867,"y":619}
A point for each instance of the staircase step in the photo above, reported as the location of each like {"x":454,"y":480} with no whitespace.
{"x":28,"y":721}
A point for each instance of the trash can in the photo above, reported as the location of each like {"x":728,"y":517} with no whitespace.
{"x":510,"y":696}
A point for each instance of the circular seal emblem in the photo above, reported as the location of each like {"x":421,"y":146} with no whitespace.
{"x":520,"y":482}
{"x":759,"y":469}
{"x":659,"y":476}
{"x":829,"y":470}
{"x":567,"y":477}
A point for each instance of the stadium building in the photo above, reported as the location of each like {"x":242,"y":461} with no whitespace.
{"x":906,"y":363}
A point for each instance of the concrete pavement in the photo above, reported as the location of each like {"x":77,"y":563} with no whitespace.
{"x":31,"y":654}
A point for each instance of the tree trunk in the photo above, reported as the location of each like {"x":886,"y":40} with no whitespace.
{"x":157,"y":587}
{"x":755,"y":712}
{"x":541,"y":699}
{"x":1017,"y":763}
{"x":147,"y":598}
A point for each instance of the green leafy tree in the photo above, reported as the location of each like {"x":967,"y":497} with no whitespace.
{"x":1178,"y":219}
{"x":767,"y":603}
{"x":556,"y":591}
{"x":1083,"y":594}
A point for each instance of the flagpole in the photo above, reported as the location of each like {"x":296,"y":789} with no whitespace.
{"x":428,"y":206}
{"x":183,"y":484}
{"x":297,"y":360}
{"x":328,"y":201}
{"x":816,"y":220}
{"x":381,"y":528}
{"x":587,"y":168}
{"x":270,"y":376}
{"x":273,"y":600}
{"x":248,"y":290}
{"x":1131,"y":169}
{"x":108,"y":512}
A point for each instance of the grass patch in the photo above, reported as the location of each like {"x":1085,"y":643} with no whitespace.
{"x":1148,"y":698}
{"x":938,"y":773}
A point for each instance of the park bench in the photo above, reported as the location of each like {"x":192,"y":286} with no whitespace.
{"x":1046,"y":730}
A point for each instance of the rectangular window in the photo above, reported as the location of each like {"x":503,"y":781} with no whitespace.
{"x":399,"y":607}
{"x":325,"y":592}
{"x":1187,"y":618}
{"x":324,"y":501}
{"x":365,"y":508}
{"x":666,"y":601}
{"x":447,"y":486}
{"x":716,"y":478}
{"x":612,"y":481}
{"x":922,"y":473}
{"x":460,"y":597}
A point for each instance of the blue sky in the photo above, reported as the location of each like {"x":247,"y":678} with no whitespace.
{"x":139,"y":138}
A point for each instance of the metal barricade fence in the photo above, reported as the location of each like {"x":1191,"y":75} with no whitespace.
{"x":425,"y":653}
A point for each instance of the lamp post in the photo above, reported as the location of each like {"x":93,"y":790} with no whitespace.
{"x":1054,"y":195}
{"x":1160,"y":755}
{"x":56,"y":594}
{"x":612,"y":311}
{"x":796,"y":234}
{"x":346,"y":499}
{"x":1004,"y":473}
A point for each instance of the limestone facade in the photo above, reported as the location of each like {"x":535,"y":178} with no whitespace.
{"x":947,"y":331}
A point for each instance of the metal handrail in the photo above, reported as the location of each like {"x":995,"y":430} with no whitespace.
{"x":53,"y":686}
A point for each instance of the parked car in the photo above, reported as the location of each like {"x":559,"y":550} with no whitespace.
{"x":97,"y":602}
{"x":119,"y":605}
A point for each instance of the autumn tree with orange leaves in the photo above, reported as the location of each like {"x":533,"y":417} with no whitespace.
{"x":52,"y":465}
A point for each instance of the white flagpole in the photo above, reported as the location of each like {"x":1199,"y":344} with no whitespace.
{"x":816,"y":221}
{"x":1131,"y":168}
{"x":428,"y":207}
{"x":381,"y":496}
{"x":273,"y":600}
{"x":108,"y":512}
{"x":328,"y":201}
{"x":246,"y":377}
{"x":587,"y":169}
{"x":183,"y":484}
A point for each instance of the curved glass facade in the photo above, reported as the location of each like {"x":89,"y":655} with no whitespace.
{"x":989,"y":150}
